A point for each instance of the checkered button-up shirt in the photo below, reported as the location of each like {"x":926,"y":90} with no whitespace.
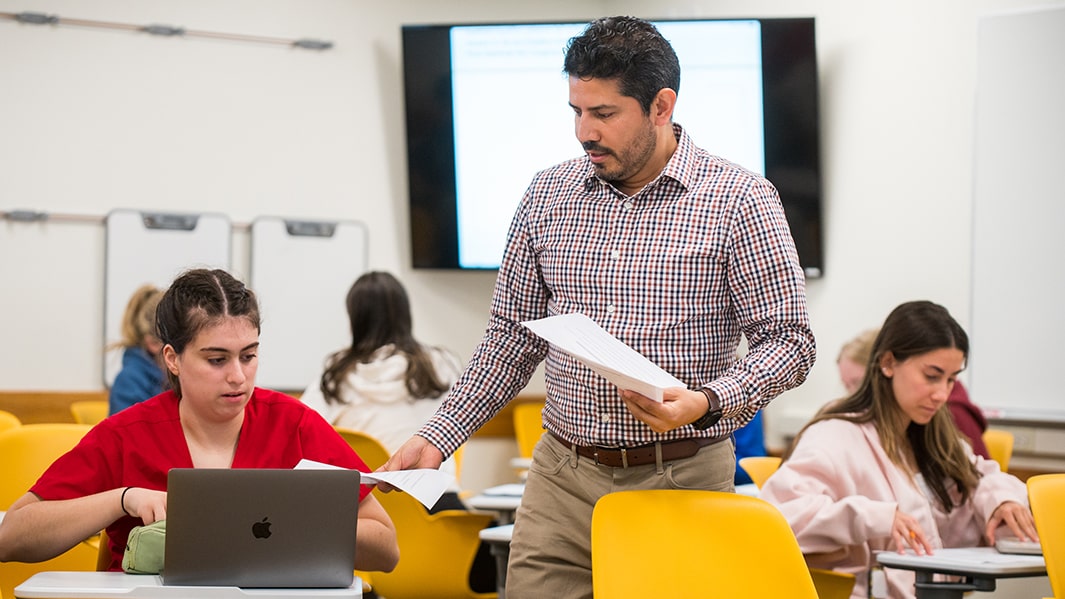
{"x":680,"y":271}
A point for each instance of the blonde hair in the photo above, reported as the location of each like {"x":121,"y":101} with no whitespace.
{"x":138,"y":321}
{"x":860,"y":348}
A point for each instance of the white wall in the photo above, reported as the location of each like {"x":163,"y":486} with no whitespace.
{"x":92,"y":120}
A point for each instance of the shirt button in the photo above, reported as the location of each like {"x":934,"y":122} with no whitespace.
{"x":605,"y":418}
{"x":615,"y":254}
{"x":627,"y":205}
{"x":610,"y":309}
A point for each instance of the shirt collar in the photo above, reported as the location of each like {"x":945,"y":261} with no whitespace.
{"x":678,"y":168}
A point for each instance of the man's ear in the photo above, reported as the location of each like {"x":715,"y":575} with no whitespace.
{"x":662,"y":106}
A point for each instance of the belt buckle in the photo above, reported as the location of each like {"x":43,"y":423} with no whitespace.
{"x":624,"y":458}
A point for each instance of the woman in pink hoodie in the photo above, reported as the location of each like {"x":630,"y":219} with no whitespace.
{"x":886,"y":469}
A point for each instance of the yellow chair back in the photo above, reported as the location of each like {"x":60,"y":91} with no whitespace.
{"x":832,"y":585}
{"x":1046,"y":493}
{"x":760,"y":468}
{"x":528,"y":426}
{"x":692,"y":544}
{"x":8,"y":420}
{"x":88,"y":411}
{"x":25,"y":453}
{"x":371,"y":450}
{"x":999,"y":444}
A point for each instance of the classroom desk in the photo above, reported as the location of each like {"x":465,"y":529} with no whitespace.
{"x":980,"y":567}
{"x":119,"y":585}
{"x":503,"y":500}
{"x":498,"y":540}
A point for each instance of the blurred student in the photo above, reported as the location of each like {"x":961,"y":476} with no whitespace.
{"x":853,"y":358}
{"x":750,"y":442}
{"x":142,"y":373}
{"x":884,"y":469}
{"x":213,"y":417}
{"x":387,"y":383}
{"x":970,"y":420}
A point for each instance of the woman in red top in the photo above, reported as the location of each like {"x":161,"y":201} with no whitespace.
{"x":213,"y":417}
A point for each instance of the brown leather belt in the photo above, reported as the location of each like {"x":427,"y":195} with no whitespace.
{"x":623,"y":457}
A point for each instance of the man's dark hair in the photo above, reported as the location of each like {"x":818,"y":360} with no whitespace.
{"x":626,"y":49}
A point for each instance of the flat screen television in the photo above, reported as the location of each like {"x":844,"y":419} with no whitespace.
{"x":487,"y":107}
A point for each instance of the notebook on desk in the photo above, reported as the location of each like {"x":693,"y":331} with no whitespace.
{"x":261,"y":528}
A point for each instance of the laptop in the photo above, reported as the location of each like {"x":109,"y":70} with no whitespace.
{"x":261,"y":528}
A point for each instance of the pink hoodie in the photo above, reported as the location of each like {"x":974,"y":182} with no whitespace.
{"x":839,"y":492}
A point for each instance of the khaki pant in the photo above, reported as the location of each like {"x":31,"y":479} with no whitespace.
{"x":550,"y":552}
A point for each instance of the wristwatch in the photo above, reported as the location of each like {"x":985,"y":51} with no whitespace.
{"x":713,"y":413}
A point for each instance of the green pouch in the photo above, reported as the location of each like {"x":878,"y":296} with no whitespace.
{"x":144,"y":549}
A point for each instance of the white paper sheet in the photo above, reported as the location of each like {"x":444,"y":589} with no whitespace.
{"x":424,"y":484}
{"x":582,"y":338}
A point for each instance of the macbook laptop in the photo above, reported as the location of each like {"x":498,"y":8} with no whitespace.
{"x":261,"y":528}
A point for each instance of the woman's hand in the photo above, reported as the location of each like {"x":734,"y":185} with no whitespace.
{"x":906,"y":531}
{"x":1017,"y":517}
{"x":146,"y":504}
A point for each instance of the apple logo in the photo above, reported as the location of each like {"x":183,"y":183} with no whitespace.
{"x":261,"y":530}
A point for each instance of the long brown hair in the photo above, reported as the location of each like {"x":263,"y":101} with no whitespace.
{"x":912,"y":329}
{"x":379,"y":315}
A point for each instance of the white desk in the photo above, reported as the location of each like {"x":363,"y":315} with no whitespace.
{"x":503,"y":500}
{"x":979,"y":566}
{"x":119,"y":585}
{"x":498,"y":540}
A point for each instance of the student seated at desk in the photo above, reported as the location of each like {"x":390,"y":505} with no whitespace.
{"x":213,"y":417}
{"x":885,"y":469}
{"x":142,"y":374}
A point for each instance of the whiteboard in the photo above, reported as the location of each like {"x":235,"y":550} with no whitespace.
{"x":154,"y":247}
{"x":1018,"y":295}
{"x":301,"y":272}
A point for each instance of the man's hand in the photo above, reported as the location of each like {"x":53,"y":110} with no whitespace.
{"x":679,"y":407}
{"x":417,"y":452}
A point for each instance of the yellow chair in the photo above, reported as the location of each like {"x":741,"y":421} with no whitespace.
{"x":25,"y":452}
{"x":88,"y":411}
{"x":1000,"y":446}
{"x":693,"y":544}
{"x":832,"y":585}
{"x":1046,"y":493}
{"x":436,"y":550}
{"x":371,"y":450}
{"x":760,"y":468}
{"x":528,"y":426}
{"x":8,"y":420}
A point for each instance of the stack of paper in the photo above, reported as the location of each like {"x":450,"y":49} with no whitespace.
{"x":582,"y":338}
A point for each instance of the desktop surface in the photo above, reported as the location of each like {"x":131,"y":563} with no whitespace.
{"x":967,"y":561}
{"x":115,"y":585}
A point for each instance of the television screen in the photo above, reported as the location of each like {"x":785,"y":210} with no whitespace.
{"x":487,"y":107}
